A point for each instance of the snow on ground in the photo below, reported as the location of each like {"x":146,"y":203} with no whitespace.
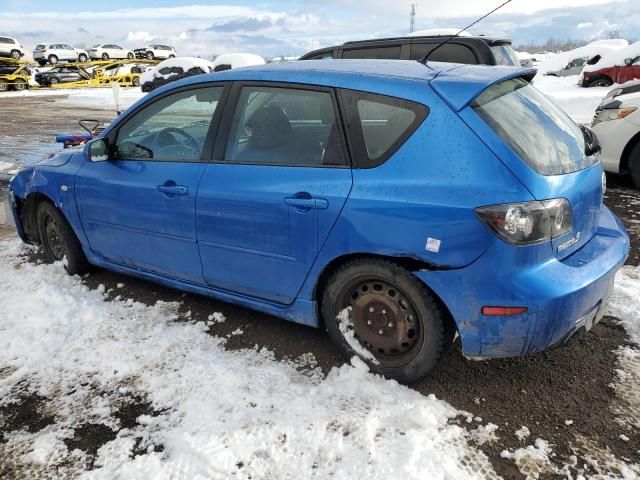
{"x":86,"y":97}
{"x":214,"y":413}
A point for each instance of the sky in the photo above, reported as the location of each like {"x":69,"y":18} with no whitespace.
{"x":293,"y":27}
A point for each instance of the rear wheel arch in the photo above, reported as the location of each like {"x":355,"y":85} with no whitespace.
{"x":625,"y":158}
{"x":408,"y":263}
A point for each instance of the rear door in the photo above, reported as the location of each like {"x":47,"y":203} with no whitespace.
{"x":138,"y":207}
{"x":278,"y":183}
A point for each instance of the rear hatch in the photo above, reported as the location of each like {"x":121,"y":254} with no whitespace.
{"x":534,"y":138}
{"x":549,"y":153}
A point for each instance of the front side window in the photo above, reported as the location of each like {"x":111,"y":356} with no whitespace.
{"x":536,"y":129}
{"x":173,"y":128}
{"x":284,"y":126}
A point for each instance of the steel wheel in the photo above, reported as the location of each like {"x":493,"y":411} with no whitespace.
{"x":384,"y":319}
{"x":53,"y":239}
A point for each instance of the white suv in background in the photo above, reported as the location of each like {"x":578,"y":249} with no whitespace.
{"x":106,"y":51}
{"x":153,"y":52}
{"x":54,"y":52}
{"x":617,"y":126}
{"x":10,"y":47}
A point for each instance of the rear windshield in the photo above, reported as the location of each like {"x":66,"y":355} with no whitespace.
{"x":535,"y":128}
{"x":505,"y":55}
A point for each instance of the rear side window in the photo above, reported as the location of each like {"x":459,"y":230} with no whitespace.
{"x":392,"y":53}
{"x":535,"y":128}
{"x":378,"y":125}
{"x":285,"y":126}
{"x":451,"y":52}
{"x":505,"y":55}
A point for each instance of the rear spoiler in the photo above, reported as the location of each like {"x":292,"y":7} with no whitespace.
{"x":461,"y":85}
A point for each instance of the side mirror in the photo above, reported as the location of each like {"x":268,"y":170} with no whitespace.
{"x":99,"y":150}
{"x":628,"y":61}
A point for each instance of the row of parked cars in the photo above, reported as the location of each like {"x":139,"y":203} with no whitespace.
{"x":53,"y":53}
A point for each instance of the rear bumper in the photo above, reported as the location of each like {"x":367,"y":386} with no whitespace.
{"x":561,"y":296}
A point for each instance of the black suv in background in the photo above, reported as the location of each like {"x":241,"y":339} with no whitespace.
{"x":62,"y":74}
{"x":467,"y":49}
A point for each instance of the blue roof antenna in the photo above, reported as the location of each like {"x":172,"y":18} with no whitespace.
{"x":424,"y":59}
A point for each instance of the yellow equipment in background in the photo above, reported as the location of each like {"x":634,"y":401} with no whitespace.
{"x":105,"y":73}
{"x":14,"y":74}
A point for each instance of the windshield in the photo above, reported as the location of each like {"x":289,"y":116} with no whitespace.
{"x":535,"y":128}
{"x":505,"y":55}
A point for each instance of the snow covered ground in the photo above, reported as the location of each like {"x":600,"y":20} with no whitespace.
{"x":580,"y":103}
{"x":86,"y":97}
{"x":213,"y":413}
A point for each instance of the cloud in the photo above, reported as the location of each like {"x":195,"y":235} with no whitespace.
{"x":140,"y":37}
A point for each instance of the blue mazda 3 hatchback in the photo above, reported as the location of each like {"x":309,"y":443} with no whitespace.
{"x":391,"y":202}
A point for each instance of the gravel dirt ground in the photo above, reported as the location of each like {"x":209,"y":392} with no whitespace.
{"x":564,"y":395}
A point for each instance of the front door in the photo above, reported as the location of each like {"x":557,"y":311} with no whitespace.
{"x":138,"y":207}
{"x":268,"y":203}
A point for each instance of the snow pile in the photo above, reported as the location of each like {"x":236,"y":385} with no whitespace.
{"x":211,"y":413}
{"x":238,"y":60}
{"x":439,"y":32}
{"x":346,"y":327}
{"x":615,"y":57}
{"x":579,"y":103}
{"x":561,"y":60}
{"x":185,"y":63}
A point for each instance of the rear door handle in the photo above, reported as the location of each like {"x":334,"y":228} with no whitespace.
{"x":307,"y":203}
{"x":173,"y":189}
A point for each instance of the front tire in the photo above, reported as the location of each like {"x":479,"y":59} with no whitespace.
{"x":105,"y":56}
{"x":53,"y":59}
{"x":130,"y":56}
{"x":15,"y":54}
{"x":395,"y":319}
{"x":58,"y":239}
{"x":82,"y":58}
{"x":53,"y":81}
{"x":150,"y":56}
{"x":136,"y":81}
{"x":601,"y":82}
{"x":634,"y":165}
{"x":4,"y":86}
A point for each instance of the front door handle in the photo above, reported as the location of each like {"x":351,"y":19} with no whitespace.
{"x":307,"y":203}
{"x":173,"y":189}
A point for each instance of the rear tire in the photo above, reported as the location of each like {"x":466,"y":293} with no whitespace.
{"x":19,"y":85}
{"x":172,"y":56}
{"x":130,"y":56}
{"x":15,"y":54}
{"x":58,"y":239}
{"x":634,"y":165}
{"x":53,"y":81}
{"x":385,"y":297}
{"x":3,"y":86}
{"x":105,"y":56}
{"x":136,"y":81}
{"x":82,"y":58}
{"x":601,"y":82}
{"x":150,"y":56}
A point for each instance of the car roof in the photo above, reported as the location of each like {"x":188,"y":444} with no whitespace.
{"x":457,"y":84}
{"x":489,"y":40}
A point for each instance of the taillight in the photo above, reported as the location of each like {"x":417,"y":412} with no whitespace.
{"x":528,"y":222}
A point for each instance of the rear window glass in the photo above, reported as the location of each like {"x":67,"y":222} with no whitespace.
{"x":505,"y":55}
{"x":534,"y":127}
